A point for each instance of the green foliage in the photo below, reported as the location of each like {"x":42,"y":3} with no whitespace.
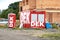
{"x":54,"y":26}
{"x":12,"y":8}
{"x":0,"y":13}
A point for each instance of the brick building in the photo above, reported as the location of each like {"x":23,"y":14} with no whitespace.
{"x":52,"y":8}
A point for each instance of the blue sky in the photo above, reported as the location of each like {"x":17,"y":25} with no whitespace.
{"x":5,"y":3}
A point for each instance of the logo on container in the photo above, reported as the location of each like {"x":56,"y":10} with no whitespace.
{"x":10,"y":21}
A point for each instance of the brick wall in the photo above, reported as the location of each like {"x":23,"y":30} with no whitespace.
{"x":47,"y":4}
{"x":32,"y":4}
{"x":56,"y":17}
{"x":53,"y":17}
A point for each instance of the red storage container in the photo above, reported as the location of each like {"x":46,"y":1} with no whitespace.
{"x":37,"y":19}
{"x":11,"y":20}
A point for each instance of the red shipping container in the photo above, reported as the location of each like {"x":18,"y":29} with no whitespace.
{"x":33,"y":19}
{"x":37,"y":19}
{"x":11,"y":20}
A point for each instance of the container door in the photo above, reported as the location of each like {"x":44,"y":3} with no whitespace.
{"x":33,"y":20}
{"x":41,"y":20}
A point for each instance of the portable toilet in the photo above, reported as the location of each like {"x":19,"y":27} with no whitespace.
{"x":11,"y":20}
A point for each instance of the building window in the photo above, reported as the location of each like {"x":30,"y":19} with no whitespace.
{"x":27,"y":2}
{"x":23,"y":2}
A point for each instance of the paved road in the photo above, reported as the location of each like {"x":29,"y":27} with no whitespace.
{"x":9,"y":34}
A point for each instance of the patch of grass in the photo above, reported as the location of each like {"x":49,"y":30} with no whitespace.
{"x":38,"y":28}
{"x":16,"y":28}
{"x":51,"y":35}
{"x":4,"y":26}
{"x":58,"y":28}
{"x":55,"y":36}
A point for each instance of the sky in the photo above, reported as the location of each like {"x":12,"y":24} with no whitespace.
{"x":5,"y":3}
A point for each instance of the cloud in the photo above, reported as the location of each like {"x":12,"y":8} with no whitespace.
{"x":5,"y":4}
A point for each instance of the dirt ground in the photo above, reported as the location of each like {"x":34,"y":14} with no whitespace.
{"x":30,"y":34}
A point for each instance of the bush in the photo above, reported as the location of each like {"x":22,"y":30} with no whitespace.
{"x":54,"y":25}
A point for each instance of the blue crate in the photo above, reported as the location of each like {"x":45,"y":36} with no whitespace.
{"x":48,"y":25}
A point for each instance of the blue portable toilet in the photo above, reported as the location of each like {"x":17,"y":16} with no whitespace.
{"x":48,"y":25}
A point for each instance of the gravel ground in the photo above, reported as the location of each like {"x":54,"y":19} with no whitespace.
{"x":9,"y":34}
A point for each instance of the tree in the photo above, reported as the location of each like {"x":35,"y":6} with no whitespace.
{"x":5,"y":13}
{"x":0,"y":13}
{"x":12,"y":8}
{"x":15,"y":7}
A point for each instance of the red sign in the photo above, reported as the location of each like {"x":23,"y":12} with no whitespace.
{"x":33,"y":19}
{"x":11,"y":20}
